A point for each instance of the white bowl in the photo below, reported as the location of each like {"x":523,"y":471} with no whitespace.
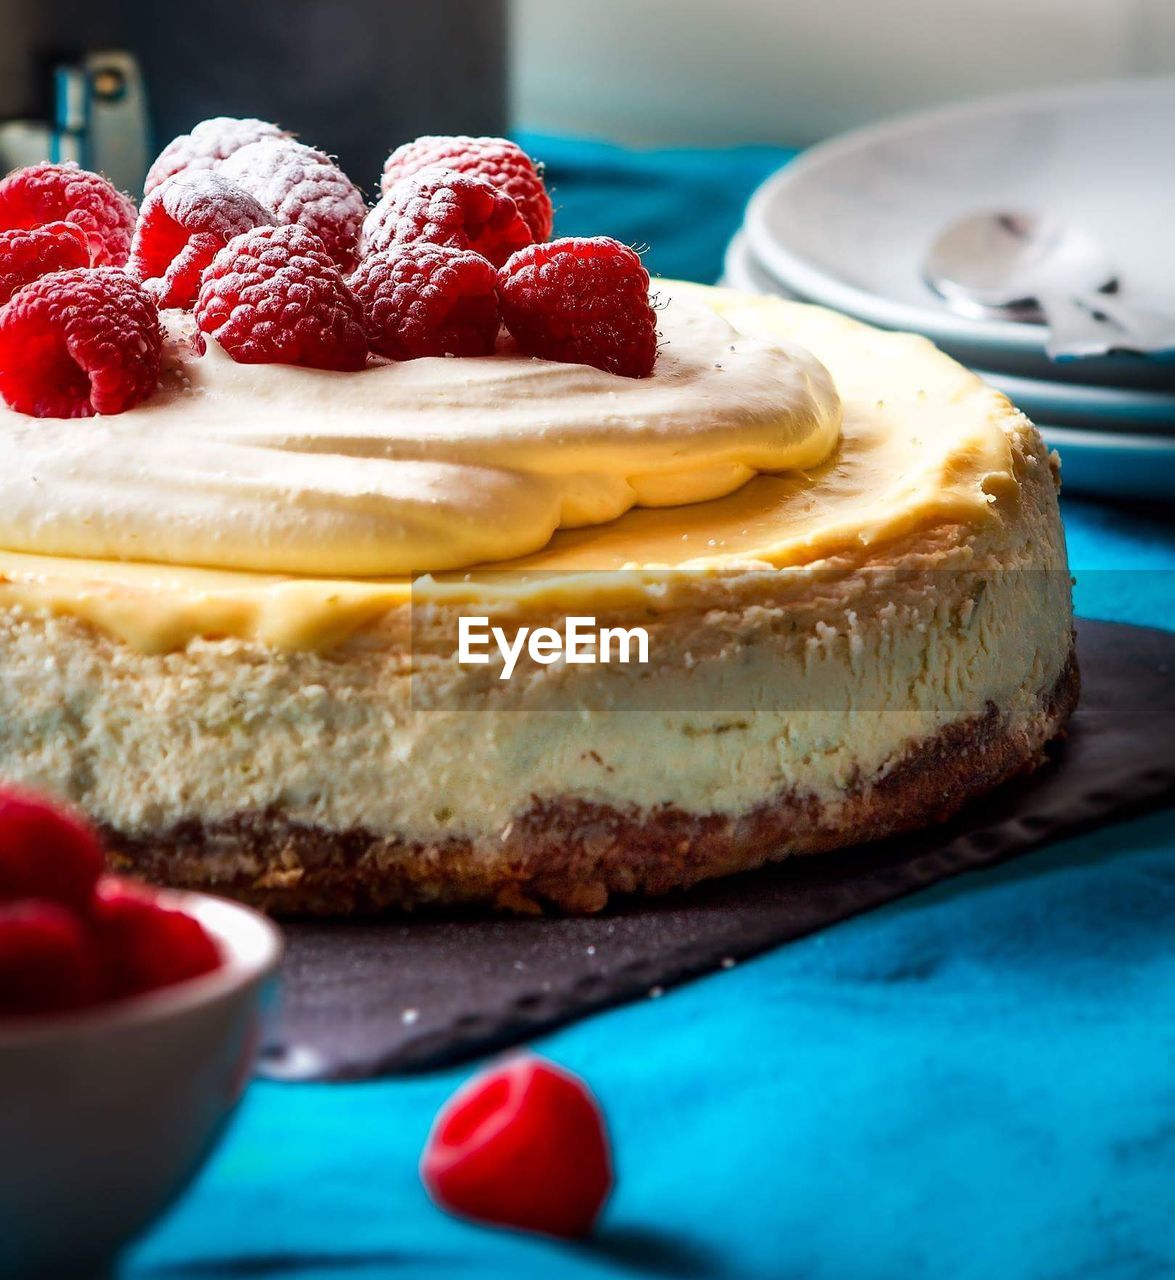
{"x":106,"y":1115}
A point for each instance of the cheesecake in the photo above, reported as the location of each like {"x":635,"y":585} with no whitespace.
{"x":249,"y":625}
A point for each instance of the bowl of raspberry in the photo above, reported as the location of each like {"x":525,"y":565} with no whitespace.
{"x":129,"y":1021}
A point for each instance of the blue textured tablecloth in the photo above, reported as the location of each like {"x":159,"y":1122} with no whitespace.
{"x":978,"y":1082}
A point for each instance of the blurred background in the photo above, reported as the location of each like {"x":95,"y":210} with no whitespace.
{"x":666,"y":72}
{"x":108,"y":82}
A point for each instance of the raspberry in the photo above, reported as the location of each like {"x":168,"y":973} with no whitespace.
{"x":521,"y":1145}
{"x":273,"y":296}
{"x":145,"y":945}
{"x":428,"y":300}
{"x":46,"y":851}
{"x":184,"y":224}
{"x":501,"y":161}
{"x":581,"y":301}
{"x":77,"y":343}
{"x":210,"y":142}
{"x":48,"y":962}
{"x":442,"y":206}
{"x":64,"y":193}
{"x":27,"y":255}
{"x":306,"y":187}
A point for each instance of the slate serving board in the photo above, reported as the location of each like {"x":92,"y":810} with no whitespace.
{"x":369,"y":999}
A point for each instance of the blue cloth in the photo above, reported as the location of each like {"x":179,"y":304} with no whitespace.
{"x":973,"y":1083}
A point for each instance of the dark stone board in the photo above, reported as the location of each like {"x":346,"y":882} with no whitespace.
{"x":411,"y":993}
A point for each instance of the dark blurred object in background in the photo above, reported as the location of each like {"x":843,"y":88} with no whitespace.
{"x":352,"y":77}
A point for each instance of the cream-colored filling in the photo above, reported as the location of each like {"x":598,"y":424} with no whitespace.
{"x":423,"y":465}
{"x":808,"y":697}
{"x":923,"y":442}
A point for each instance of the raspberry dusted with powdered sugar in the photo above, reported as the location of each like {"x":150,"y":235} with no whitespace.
{"x":303,"y":186}
{"x":184,"y":224}
{"x":25,"y":256}
{"x":45,"y":193}
{"x":274,"y":296}
{"x":428,"y":300}
{"x":210,"y":142}
{"x":581,"y":301}
{"x":502,"y":162}
{"x":442,"y":206}
{"x":77,"y":343}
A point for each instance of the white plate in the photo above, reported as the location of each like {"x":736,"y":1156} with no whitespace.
{"x":849,"y":222}
{"x":1113,"y":464}
{"x":1070,"y":404}
{"x":1106,"y":463}
{"x":1067,"y":404}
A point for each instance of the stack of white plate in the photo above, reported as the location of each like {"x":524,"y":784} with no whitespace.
{"x":848,"y":225}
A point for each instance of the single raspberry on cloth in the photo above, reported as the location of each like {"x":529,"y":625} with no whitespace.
{"x":428,"y":300}
{"x":44,"y":193}
{"x":581,"y":301}
{"x":274,"y":296}
{"x":502,"y":162}
{"x":521,"y":1145}
{"x":78,"y":343}
{"x":183,"y":225}
{"x":210,"y":142}
{"x":46,"y":851}
{"x":49,"y":963}
{"x":305,"y":187}
{"x":442,"y":206}
{"x":145,"y":944}
{"x":26,"y":256}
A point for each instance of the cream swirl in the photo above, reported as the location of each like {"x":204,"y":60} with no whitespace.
{"x":426,"y":465}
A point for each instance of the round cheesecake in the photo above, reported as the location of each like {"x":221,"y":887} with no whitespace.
{"x":231,"y":619}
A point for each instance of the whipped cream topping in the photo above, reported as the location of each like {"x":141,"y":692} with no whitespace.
{"x":425,"y":465}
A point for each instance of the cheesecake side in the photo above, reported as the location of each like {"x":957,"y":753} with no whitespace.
{"x":788,"y":713}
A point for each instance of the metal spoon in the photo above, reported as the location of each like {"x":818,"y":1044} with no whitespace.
{"x":1023,"y":266}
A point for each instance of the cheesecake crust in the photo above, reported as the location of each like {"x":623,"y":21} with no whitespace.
{"x":571,"y":855}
